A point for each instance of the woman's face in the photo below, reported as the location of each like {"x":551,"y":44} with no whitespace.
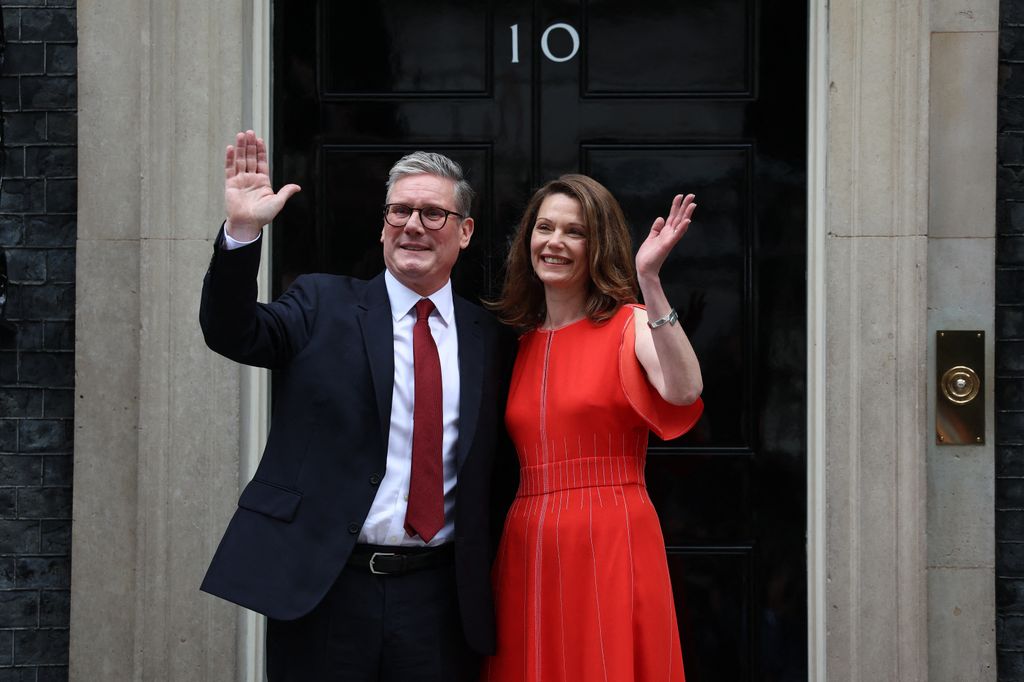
{"x":558,"y":244}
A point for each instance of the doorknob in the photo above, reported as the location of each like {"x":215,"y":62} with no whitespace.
{"x":960,"y":401}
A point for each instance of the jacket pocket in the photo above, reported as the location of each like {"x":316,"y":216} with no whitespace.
{"x":266,"y":498}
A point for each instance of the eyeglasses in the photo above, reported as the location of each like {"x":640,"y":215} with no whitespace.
{"x":432,"y":217}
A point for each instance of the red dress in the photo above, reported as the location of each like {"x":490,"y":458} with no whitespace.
{"x":581,"y":580}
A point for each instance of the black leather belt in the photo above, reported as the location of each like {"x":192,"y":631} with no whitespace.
{"x":387,"y":560}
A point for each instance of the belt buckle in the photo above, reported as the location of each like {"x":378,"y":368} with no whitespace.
{"x":373,"y":557}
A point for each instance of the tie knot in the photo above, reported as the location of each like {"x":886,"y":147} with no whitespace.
{"x":423,"y":309}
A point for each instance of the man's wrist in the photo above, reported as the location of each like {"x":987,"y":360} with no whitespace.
{"x":236,"y":236}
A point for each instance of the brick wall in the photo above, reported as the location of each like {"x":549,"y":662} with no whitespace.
{"x":1009,"y":388}
{"x":37,"y":230}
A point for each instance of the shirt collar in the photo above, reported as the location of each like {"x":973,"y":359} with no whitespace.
{"x":403,"y":299}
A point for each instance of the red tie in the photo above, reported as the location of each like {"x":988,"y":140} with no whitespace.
{"x":425,"y":514}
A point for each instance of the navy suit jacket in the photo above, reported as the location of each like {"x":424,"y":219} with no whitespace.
{"x":330,"y":340}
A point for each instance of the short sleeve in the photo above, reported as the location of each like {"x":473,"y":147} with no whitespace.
{"x":666,"y":420}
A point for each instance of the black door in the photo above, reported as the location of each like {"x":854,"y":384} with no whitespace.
{"x":652,"y":98}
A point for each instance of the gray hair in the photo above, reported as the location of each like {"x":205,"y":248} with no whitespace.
{"x":440,"y":165}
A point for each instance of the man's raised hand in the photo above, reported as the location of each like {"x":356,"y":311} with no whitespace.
{"x":248,"y":195}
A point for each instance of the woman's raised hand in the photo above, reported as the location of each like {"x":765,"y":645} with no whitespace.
{"x":248,"y":195}
{"x":665,"y":234}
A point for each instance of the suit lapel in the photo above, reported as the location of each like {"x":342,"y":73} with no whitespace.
{"x":379,"y":340}
{"x":471,"y":360}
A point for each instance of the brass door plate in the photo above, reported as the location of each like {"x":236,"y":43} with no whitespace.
{"x":960,"y":387}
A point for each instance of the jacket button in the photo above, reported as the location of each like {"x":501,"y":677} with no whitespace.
{"x":374,"y":479}
{"x":353,"y":528}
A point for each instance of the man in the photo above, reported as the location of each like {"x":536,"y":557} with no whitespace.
{"x":364,"y":534}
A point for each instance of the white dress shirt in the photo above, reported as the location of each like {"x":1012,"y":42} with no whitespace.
{"x":385,"y":523}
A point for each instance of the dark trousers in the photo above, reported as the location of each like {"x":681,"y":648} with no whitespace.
{"x":376,"y":628}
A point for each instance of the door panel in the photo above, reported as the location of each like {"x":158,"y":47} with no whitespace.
{"x":651,"y":98}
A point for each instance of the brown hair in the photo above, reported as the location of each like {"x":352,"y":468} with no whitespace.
{"x":609,"y":250}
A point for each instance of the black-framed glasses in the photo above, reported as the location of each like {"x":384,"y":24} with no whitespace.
{"x":431,"y":217}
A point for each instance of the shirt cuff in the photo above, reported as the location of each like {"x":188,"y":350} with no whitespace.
{"x":232,"y":243}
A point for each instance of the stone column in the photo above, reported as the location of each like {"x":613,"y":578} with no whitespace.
{"x":961,"y":295}
{"x":875,"y":356}
{"x":161,"y":90}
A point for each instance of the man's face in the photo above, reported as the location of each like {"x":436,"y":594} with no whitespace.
{"x":419,"y":258}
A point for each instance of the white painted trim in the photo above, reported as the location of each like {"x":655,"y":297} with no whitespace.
{"x":817,"y":147}
{"x":255,"y":382}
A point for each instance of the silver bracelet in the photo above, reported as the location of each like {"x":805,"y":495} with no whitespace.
{"x":669,"y":319}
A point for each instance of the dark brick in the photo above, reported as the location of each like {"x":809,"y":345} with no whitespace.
{"x":13,"y":161}
{"x":48,"y":92}
{"x":51,"y":571}
{"x":8,"y":429}
{"x":12,"y":24}
{"x":1011,"y":12}
{"x":52,"y":25}
{"x":29,"y":336}
{"x":40,"y":647}
{"x":24,"y":128}
{"x":1010,"y":182}
{"x":6,"y":647}
{"x":1010,"y":665}
{"x":1011,"y":149}
{"x":1011,"y":79}
{"x":1009,"y":217}
{"x":26,"y":265}
{"x":48,"y":301}
{"x":61,"y":59}
{"x":10,"y":93}
{"x":55,"y":537}
{"x":1010,"y":460}
{"x":44,"y":503}
{"x":23,"y":196}
{"x":1009,"y":358}
{"x":20,"y":674}
{"x":1009,"y":117}
{"x":21,"y":470}
{"x":52,"y":370}
{"x":1010,"y":493}
{"x":59,"y":230}
{"x":59,"y":335}
{"x":59,"y":403}
{"x":12,"y":230}
{"x":21,"y":402}
{"x":1010,"y":430}
{"x":8,"y":503}
{"x":54,"y":608}
{"x":19,"y":609}
{"x":1010,"y":250}
{"x":58,"y":470}
{"x":1009,"y":394}
{"x":1010,"y":43}
{"x":52,"y":673}
{"x":61,"y":195}
{"x":62,"y":127}
{"x":60,"y":266}
{"x":1010,"y":595}
{"x":45,"y":435}
{"x":7,"y":573}
{"x":51,"y":161}
{"x":24,"y":58}
{"x":1012,"y":627}
{"x":19,"y":537}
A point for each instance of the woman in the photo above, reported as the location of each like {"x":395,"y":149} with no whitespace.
{"x":581,"y":579}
